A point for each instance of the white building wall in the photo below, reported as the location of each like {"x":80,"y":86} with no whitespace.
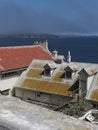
{"x":18,"y":92}
{"x":73,"y":74}
{"x":89,"y":81}
{"x":8,"y":83}
{"x":51,"y":72}
{"x":85,"y":83}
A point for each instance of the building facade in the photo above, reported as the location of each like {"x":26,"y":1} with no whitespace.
{"x":56,"y":83}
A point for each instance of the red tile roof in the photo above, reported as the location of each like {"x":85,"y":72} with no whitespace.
{"x":12,"y":58}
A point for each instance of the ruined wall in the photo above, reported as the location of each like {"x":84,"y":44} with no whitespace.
{"x":26,"y":94}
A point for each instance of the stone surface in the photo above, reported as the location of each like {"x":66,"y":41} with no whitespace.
{"x":18,"y":115}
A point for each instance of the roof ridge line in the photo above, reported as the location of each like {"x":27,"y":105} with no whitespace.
{"x":23,"y":46}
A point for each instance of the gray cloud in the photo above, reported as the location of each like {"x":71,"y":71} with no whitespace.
{"x":60,"y":16}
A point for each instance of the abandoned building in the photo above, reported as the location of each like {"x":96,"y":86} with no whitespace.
{"x":14,"y":60}
{"x":58,"y":82}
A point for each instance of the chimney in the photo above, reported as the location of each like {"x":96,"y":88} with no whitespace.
{"x":55,"y":54}
{"x":46,"y":45}
{"x":43,"y":45}
{"x":35,"y":42}
{"x":68,"y":57}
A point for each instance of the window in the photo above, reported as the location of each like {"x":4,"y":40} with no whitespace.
{"x":49,"y":69}
{"x":47,"y":72}
{"x":95,"y":106}
{"x":39,"y":94}
{"x":68,"y":74}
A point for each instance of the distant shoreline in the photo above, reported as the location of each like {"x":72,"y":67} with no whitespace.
{"x":30,"y":36}
{"x":46,"y":36}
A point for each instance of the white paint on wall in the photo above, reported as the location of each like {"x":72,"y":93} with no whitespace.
{"x":8,"y":83}
{"x":89,"y":81}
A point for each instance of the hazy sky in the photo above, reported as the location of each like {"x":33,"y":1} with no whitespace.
{"x":49,"y":16}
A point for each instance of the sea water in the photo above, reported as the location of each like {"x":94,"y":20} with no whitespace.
{"x":83,"y":49}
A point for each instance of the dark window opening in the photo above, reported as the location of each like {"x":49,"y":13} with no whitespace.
{"x":68,"y":74}
{"x":47,"y":72}
{"x":95,"y":105}
{"x":39,"y":94}
{"x":9,"y":74}
{"x":29,"y":98}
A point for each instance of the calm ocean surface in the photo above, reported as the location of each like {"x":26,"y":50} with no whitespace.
{"x":83,"y":49}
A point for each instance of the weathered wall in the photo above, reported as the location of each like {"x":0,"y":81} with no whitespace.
{"x":82,"y":82}
{"x":26,"y":94}
{"x":89,"y":81}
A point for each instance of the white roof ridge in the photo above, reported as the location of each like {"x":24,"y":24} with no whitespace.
{"x":22,"y":46}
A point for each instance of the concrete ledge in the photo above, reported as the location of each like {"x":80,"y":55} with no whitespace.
{"x":16,"y":114}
